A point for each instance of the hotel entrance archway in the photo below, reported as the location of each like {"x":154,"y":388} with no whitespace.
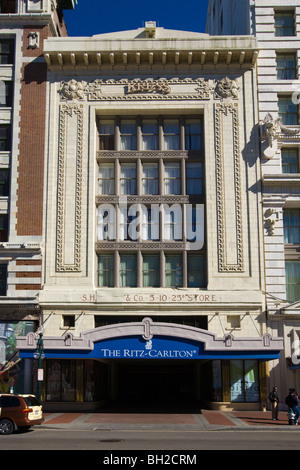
{"x":153,"y":362}
{"x":158,"y":385}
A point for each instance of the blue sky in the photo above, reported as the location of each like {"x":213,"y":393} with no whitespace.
{"x":92,"y":17}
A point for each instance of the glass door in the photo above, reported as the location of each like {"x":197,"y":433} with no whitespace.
{"x":244,"y":381}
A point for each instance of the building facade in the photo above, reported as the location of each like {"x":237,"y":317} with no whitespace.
{"x":24,"y":26}
{"x":153,"y":277}
{"x":276,"y":27}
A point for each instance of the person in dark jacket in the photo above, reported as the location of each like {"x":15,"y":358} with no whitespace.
{"x":292,"y":402}
{"x":274,"y":399}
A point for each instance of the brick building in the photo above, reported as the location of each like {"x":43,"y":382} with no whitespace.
{"x":24,"y":26}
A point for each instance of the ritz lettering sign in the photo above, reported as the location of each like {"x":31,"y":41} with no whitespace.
{"x":148,"y":86}
{"x":153,"y":349}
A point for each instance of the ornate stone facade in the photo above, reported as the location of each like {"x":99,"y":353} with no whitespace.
{"x":90,"y":154}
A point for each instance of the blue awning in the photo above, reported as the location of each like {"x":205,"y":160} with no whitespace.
{"x":157,"y":348}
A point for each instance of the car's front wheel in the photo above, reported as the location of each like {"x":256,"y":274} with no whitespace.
{"x":6,"y":426}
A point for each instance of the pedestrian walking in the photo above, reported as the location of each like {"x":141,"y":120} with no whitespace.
{"x":274,"y":399}
{"x":293,"y":404}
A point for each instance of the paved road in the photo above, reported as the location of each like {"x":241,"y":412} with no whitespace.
{"x":185,"y":443}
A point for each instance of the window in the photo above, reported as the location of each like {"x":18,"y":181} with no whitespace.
{"x":128,"y":135}
{"x":7,"y":51}
{"x":149,"y":135}
{"x":69,"y":321}
{"x":128,"y":276}
{"x":150,"y":178}
{"x":130,"y":223}
{"x":244,"y":380}
{"x":233,"y":322}
{"x":291,"y":224}
{"x":193,"y":134}
{"x":157,"y":163}
{"x":173,"y":271}
{"x":106,"y":270}
{"x":284,"y":23}
{"x":106,"y":178}
{"x":125,"y":221}
{"x":3,"y":279}
{"x":290,"y":160}
{"x":151,"y":270}
{"x":171,"y":134}
{"x":194,"y":178}
{"x":128,"y":178}
{"x":61,"y":380}
{"x":96,"y":380}
{"x":194,"y":223}
{"x":288,"y":111}
{"x":106,"y":222}
{"x":7,"y":6}
{"x":173,"y":223}
{"x":196,"y":270}
{"x":3,"y":227}
{"x":172,"y":178}
{"x":5,"y":138}
{"x":286,"y":66}
{"x":149,"y":266}
{"x":106,"y":135}
{"x":5,"y":94}
{"x":9,"y":402}
{"x":4,"y":181}
{"x":292,"y":276}
{"x":31,"y":401}
{"x":150,"y":223}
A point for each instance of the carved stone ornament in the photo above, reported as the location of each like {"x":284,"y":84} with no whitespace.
{"x":137,"y":89}
{"x":148,"y":86}
{"x":226,"y":88}
{"x":271,"y":131}
{"x":73,"y":90}
{"x":271,"y":218}
{"x":33,"y":40}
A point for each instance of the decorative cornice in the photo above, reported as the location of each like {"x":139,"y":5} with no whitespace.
{"x":96,"y":52}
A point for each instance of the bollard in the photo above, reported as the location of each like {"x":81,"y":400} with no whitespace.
{"x":291,"y":416}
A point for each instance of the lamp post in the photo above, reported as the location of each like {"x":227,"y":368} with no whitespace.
{"x":39,"y":354}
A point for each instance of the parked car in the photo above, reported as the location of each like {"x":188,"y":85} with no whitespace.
{"x":19,"y":412}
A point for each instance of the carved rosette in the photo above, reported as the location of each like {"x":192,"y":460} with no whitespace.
{"x":73,"y":90}
{"x":226,"y":88}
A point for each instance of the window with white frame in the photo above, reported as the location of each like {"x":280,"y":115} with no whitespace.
{"x":290,"y":160}
{"x":157,"y":164}
{"x":284,"y":23}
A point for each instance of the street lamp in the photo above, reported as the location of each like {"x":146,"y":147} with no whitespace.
{"x":39,"y":354}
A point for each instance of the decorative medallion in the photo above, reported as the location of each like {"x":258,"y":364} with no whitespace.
{"x":226,"y":88}
{"x":73,"y":90}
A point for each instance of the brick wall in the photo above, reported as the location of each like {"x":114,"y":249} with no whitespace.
{"x":32,"y":139}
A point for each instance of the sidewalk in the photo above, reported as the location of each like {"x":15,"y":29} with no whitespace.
{"x":206,"y":420}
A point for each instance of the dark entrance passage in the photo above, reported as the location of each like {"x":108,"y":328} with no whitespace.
{"x":158,"y":385}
